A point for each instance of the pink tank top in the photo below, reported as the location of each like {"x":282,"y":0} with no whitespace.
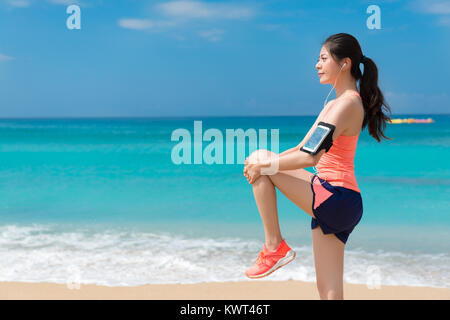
{"x":336,"y":166}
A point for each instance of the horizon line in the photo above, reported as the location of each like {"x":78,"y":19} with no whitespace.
{"x":185,"y":117}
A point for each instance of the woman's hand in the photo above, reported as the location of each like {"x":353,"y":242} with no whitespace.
{"x":252,"y":171}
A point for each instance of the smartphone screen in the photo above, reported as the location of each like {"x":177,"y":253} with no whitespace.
{"x":316,"y":138}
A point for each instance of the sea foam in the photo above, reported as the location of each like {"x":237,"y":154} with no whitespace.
{"x":114,"y":257}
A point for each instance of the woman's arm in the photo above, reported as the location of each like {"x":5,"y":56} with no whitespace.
{"x":288,"y":151}
{"x":340,"y":118}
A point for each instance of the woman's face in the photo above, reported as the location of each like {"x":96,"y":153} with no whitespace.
{"x":326,"y":67}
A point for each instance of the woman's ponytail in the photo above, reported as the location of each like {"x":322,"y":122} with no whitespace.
{"x":373,"y":100}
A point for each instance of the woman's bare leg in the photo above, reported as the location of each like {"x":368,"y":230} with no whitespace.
{"x":329,"y":264}
{"x":266,"y":201}
{"x":294,"y":184}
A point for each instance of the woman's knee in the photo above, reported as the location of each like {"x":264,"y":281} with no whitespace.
{"x":260,"y":155}
{"x":263,"y":181}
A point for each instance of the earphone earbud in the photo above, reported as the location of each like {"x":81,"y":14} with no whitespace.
{"x":345,"y":63}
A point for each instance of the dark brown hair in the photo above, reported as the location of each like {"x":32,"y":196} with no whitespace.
{"x":344,"y":45}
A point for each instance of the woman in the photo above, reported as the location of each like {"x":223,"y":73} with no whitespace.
{"x":331,"y":197}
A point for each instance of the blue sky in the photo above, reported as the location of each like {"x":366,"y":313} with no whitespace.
{"x":214,"y":58}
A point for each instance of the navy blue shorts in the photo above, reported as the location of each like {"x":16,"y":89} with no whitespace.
{"x":340,"y":211}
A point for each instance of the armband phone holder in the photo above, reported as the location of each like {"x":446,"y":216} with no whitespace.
{"x":322,"y":138}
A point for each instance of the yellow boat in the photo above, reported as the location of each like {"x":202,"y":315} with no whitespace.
{"x":411,"y":120}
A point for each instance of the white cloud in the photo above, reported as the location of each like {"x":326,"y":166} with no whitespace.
{"x":202,"y":10}
{"x":180,"y":13}
{"x":19,"y":3}
{"x":5,"y":58}
{"x":212,"y":35}
{"x":28,"y":3}
{"x":81,"y":3}
{"x":435,"y":7}
{"x":143,"y":24}
{"x":136,"y":24}
{"x":440,"y":8}
{"x":65,"y":2}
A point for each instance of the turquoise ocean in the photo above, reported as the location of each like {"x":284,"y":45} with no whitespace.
{"x":99,"y":200}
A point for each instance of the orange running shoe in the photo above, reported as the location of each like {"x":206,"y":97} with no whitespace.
{"x":268,"y":261}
